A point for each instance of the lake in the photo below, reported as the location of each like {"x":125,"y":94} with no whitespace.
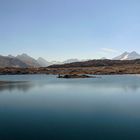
{"x":43,"y":107}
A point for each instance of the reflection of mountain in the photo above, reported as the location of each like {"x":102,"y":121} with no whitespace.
{"x":122,"y":83}
{"x":21,"y":86}
{"x":105,"y":83}
{"x":133,"y":87}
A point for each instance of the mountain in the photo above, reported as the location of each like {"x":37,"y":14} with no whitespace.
{"x":25,"y":60}
{"x":63,"y":62}
{"x":28,"y":60}
{"x":103,"y":58}
{"x":11,"y":56}
{"x":128,"y":56}
{"x":133,"y":55}
{"x":56,"y":62}
{"x":122,"y":56}
{"x":42,"y":62}
{"x":6,"y":61}
{"x":70,"y":61}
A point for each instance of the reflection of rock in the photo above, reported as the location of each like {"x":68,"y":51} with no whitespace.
{"x":75,"y":76}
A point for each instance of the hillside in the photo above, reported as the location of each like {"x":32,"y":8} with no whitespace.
{"x":98,"y":63}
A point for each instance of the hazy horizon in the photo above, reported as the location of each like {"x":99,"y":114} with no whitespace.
{"x":60,"y":30}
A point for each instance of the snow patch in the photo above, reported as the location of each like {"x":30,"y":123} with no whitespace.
{"x":125,"y":57}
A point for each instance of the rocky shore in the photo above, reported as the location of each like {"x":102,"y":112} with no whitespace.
{"x":101,"y":70}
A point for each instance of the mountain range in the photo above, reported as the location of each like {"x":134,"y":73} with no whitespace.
{"x":128,"y":56}
{"x":25,"y":60}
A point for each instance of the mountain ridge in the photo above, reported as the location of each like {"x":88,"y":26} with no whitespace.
{"x":128,"y":56}
{"x":11,"y":62}
{"x":24,"y":60}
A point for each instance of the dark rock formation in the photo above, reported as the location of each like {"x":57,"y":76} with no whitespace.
{"x":75,"y":76}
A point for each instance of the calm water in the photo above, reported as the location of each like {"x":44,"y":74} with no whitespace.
{"x":42,"y":107}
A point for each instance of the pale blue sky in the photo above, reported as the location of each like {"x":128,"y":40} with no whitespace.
{"x":63,"y":29}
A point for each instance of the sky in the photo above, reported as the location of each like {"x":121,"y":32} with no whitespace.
{"x":64,"y":29}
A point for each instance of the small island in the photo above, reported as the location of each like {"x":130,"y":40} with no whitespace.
{"x":67,"y":76}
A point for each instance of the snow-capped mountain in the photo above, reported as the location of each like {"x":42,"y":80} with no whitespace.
{"x":128,"y":56}
{"x":25,"y":60}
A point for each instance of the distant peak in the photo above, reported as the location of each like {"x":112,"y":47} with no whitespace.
{"x":128,"y":56}
{"x":134,"y":52}
{"x":103,"y":58}
{"x":40,"y":58}
{"x":10,"y":56}
{"x":126,"y":53}
{"x":24,"y":54}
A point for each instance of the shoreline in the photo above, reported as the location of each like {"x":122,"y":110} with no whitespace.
{"x":102,"y":70}
{"x":70,"y":74}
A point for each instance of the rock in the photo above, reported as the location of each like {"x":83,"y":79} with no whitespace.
{"x":75,"y":76}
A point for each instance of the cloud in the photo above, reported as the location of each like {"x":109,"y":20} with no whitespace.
{"x":109,"y":50}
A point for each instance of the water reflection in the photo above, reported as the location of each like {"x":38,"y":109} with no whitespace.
{"x":123,"y":83}
{"x":103,"y":108}
{"x":20,"y":86}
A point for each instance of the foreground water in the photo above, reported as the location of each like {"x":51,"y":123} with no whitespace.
{"x":42,"y":107}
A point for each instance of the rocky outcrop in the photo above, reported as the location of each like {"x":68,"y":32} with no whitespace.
{"x":74,"y":76}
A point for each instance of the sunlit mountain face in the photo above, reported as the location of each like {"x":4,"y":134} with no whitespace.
{"x":128,"y":56}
